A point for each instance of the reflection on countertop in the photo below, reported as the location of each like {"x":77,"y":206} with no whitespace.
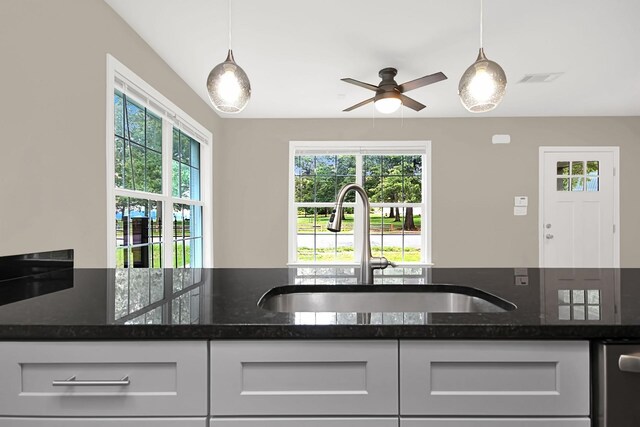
{"x":222,"y":303}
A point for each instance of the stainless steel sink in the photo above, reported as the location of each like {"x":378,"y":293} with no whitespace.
{"x":382,"y":298}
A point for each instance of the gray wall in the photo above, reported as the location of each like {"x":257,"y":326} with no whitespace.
{"x":52,"y":164}
{"x":472,"y":190}
{"x":52,"y":116}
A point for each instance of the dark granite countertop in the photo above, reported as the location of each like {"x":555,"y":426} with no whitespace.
{"x":66,"y":303}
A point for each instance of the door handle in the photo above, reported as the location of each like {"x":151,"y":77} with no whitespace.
{"x":72,"y":381}
{"x":629,"y":362}
{"x":549,"y":236}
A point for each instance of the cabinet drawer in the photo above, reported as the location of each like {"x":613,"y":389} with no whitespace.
{"x":68,"y":378}
{"x":517,"y":378}
{"x":304,"y":378}
{"x":496,"y":422}
{"x":304,"y":422}
{"x":103,"y":422}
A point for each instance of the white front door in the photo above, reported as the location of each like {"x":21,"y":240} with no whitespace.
{"x":579,"y":207}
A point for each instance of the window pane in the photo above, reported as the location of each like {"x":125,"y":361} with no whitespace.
{"x":134,"y":120}
{"x":391,"y":189}
{"x":346,"y":165}
{"x":562,"y":168}
{"x":138,"y":152}
{"x":185,"y":181}
{"x":305,"y":188}
{"x":373,"y":187}
{"x":593,"y":184}
{"x":195,"y":184}
{"x":118,"y":114}
{"x":317,"y":244}
{"x":577,"y":168}
{"x":325,"y":165}
{"x":119,"y":162}
{"x":187,"y":236}
{"x":138,"y":224}
{"x":593,"y":168}
{"x":154,"y":172}
{"x":372,"y":165}
{"x":176,"y":145}
{"x":195,"y":154}
{"x":412,"y":165}
{"x":304,"y":165}
{"x":577,"y":184}
{"x":412,"y":189}
{"x":562,"y":184}
{"x":175,"y":178}
{"x":392,"y":165}
{"x":185,"y":149}
{"x":154,"y":132}
{"x":325,"y":189}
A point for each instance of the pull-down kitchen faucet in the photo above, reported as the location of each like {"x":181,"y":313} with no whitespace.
{"x":368,"y":263}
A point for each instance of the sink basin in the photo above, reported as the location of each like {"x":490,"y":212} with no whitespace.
{"x":382,"y":298}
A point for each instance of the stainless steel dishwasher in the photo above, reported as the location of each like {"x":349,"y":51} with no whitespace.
{"x":617,"y":385}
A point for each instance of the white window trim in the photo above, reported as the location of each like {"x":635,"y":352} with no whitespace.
{"x":359,"y":147}
{"x":122,"y":78}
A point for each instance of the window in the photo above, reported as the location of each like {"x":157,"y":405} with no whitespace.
{"x":574,"y":176}
{"x":394,"y":174}
{"x":159,"y":191}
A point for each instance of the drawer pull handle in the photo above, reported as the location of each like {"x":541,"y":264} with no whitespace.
{"x":72,"y":381}
{"x":629,"y":363}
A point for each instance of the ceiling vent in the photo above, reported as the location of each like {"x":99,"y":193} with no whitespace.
{"x":540,"y":78}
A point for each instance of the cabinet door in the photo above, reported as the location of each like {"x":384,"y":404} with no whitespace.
{"x":489,"y":378}
{"x":103,"y":422}
{"x":115,"y":379}
{"x":312,"y":378}
{"x":304,"y":422}
{"x":495,"y":422}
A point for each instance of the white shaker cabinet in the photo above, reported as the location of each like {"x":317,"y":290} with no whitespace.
{"x":495,"y":422}
{"x":261,"y":377}
{"x":104,"y":379}
{"x":304,"y":422}
{"x":494,"y":378}
{"x":103,"y":422}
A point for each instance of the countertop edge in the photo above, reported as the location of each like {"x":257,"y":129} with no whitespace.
{"x":317,"y":332}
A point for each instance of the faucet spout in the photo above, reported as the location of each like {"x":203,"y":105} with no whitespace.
{"x":368,"y":263}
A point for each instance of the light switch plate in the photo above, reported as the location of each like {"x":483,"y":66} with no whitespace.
{"x":521,"y":201}
{"x":519,"y":210}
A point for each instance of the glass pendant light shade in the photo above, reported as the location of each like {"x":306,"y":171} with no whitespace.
{"x":228,"y":86}
{"x":482,"y":85}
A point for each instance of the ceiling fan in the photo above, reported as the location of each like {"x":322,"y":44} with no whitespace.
{"x":390,"y":95}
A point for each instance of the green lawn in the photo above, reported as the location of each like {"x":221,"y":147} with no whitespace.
{"x":178,"y":249}
{"x":345,"y":254}
{"x":306,"y":224}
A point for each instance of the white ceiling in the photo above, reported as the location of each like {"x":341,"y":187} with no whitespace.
{"x":296,"y":51}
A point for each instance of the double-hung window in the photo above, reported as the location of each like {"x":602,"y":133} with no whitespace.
{"x":158,"y":199}
{"x":395,"y":176}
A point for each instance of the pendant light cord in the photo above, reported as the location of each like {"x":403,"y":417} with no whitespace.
{"x":229,"y":10}
{"x":481,"y":17}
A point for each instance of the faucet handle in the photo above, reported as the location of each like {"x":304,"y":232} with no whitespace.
{"x":381,"y":263}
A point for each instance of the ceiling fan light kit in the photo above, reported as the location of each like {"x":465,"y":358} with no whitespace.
{"x":390,"y":95}
{"x":228,"y":85}
{"x":484,"y":83}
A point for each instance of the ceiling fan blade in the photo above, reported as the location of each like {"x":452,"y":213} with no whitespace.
{"x":422,"y":81}
{"x":361,"y":84}
{"x":411,"y":103}
{"x":360,"y":104}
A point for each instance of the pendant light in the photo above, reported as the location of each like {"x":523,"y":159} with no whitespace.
{"x":483,"y":84}
{"x":228,"y":85}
